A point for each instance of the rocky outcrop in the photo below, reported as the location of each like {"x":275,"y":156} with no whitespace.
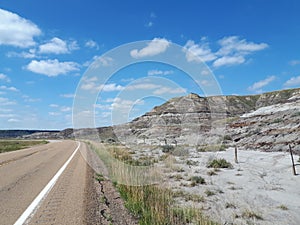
{"x":267,"y":122}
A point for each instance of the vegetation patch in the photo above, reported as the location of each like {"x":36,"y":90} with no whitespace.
{"x":195,"y":180}
{"x":167,"y":148}
{"x":209,"y":193}
{"x":248,"y":214}
{"x":283,"y":207}
{"x":219,"y":163}
{"x":211,"y":148}
{"x":13,"y":145}
{"x":152,"y":204}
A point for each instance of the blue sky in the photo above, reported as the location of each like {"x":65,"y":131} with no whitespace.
{"x":47,"y":46}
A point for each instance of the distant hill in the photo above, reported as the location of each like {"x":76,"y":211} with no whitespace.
{"x":267,"y":121}
{"x":20,"y":133}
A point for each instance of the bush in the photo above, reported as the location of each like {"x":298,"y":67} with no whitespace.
{"x":219,"y":163}
{"x":167,"y":148}
{"x":197,"y":180}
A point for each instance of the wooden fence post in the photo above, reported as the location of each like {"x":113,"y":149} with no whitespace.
{"x":293,"y":163}
{"x":235,"y":155}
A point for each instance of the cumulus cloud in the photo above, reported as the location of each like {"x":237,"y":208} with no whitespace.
{"x":91,"y":84}
{"x":17,"y":31}
{"x":198,"y":52}
{"x":57,"y":46}
{"x":233,"y":50}
{"x":26,"y":55}
{"x":6,"y":101}
{"x":260,"y":84}
{"x":67,"y":95}
{"x":5,"y":88}
{"x":294,"y":81}
{"x":54,"y":105}
{"x":91,"y":44}
{"x":154,"y":47}
{"x":4,"y":77}
{"x":160,"y":72}
{"x":65,"y":109}
{"x":124,"y":105}
{"x":142,"y":86}
{"x":233,"y":44}
{"x":229,"y":61}
{"x":168,"y":90}
{"x":294,"y":62}
{"x":13,"y":120}
{"x":52,"y":68}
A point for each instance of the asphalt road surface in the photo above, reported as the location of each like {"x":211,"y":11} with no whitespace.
{"x":25,"y":173}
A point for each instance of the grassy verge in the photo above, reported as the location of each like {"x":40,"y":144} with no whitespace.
{"x":152,"y":203}
{"x":13,"y":145}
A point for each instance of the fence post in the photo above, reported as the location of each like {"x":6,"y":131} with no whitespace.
{"x":235,"y":155}
{"x":292,"y":158}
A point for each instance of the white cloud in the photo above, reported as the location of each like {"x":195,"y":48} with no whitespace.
{"x":155,"y":47}
{"x":260,"y":84}
{"x":52,"y":68}
{"x":57,"y":46}
{"x":124,"y":105}
{"x":294,"y":81}
{"x":229,"y":61}
{"x":17,"y":31}
{"x":233,"y":51}
{"x":32,"y":100}
{"x":67,"y":95}
{"x":65,"y":109}
{"x":6,"y":101}
{"x":91,"y":85}
{"x":160,"y":72}
{"x":231,"y":45}
{"x":152,"y":15}
{"x":4,"y":77}
{"x":294,"y":62}
{"x":54,"y":105}
{"x":5,"y":88}
{"x":91,"y":44}
{"x":13,"y":120}
{"x":99,"y":61}
{"x":168,"y":90}
{"x":149,"y":24}
{"x":6,"y":115}
{"x":54,"y":113}
{"x":142,"y":86}
{"x":198,"y":52}
{"x":26,"y":55}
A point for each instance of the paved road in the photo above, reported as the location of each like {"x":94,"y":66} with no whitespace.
{"x":23,"y":175}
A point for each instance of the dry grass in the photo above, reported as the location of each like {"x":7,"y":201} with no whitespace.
{"x":13,"y":145}
{"x":144,"y":197}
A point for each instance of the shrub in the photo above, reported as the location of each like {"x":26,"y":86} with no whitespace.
{"x":251,"y":215}
{"x":209,"y":193}
{"x":229,"y":205}
{"x":219,"y":163}
{"x":283,"y":207}
{"x":197,"y":180}
{"x":167,"y":148}
{"x":211,"y":173}
{"x":192,"y":163}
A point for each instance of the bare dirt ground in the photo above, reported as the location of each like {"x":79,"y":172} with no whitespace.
{"x":259,"y":189}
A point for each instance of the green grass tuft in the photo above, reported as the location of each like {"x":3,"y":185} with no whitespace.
{"x":219,"y":163}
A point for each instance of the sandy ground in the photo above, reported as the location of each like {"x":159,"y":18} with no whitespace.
{"x":260,"y":189}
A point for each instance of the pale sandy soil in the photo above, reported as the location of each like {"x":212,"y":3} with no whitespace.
{"x":260,"y":185}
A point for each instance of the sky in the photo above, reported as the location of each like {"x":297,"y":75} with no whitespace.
{"x":47,"y":48}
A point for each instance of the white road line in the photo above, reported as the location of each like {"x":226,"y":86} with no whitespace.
{"x":42,"y":195}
